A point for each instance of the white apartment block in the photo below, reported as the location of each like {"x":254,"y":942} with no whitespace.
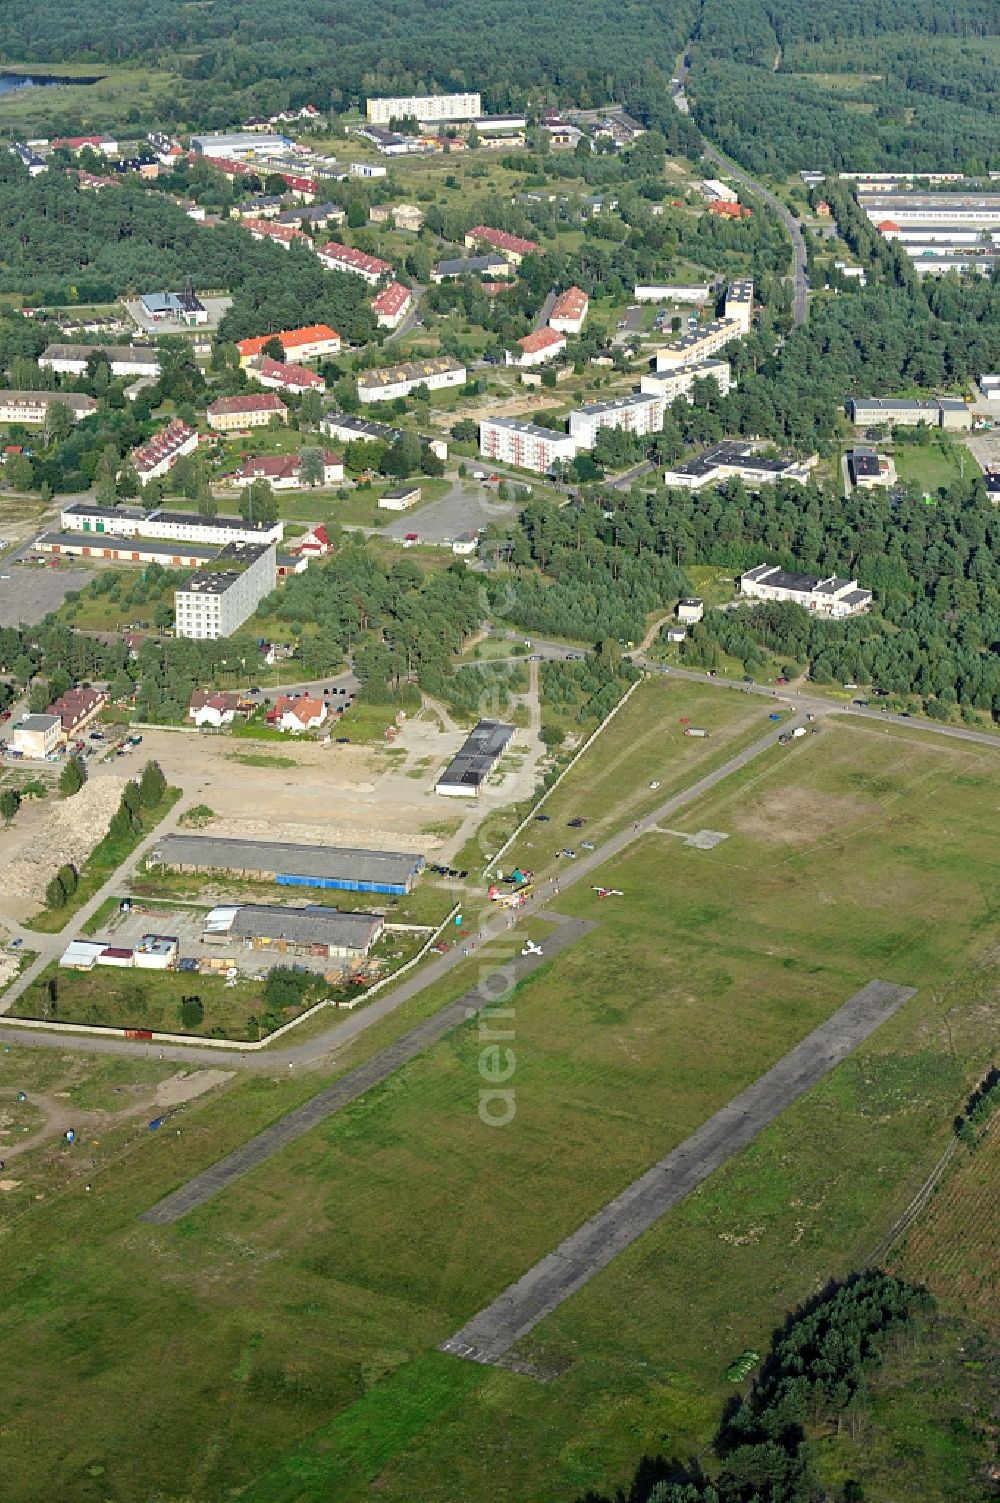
{"x":512,"y":441}
{"x":827,"y":597}
{"x":680,"y":383}
{"x":159,"y":454}
{"x":215,"y":602}
{"x":399,"y":380}
{"x":739,"y":304}
{"x":124,"y":360}
{"x":699,"y":344}
{"x":640,"y":413}
{"x":423,"y":107}
{"x":166,"y":526}
{"x":666,"y":292}
{"x":33,"y":406}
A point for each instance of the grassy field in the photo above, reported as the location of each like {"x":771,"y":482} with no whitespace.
{"x":644,"y":743}
{"x":29,"y":112}
{"x":952,"y":1246}
{"x":130,"y":598}
{"x":303,"y":1305}
{"x":931,"y":466}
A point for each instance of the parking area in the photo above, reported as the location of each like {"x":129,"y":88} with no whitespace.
{"x":28,"y":591}
{"x":984,"y":446}
{"x":467,"y":507}
{"x":215,"y":307}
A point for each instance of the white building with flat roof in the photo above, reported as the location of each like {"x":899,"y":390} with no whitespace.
{"x":639,"y":413}
{"x":215,"y":602}
{"x":739,"y":304}
{"x":680,"y":383}
{"x":421,"y":107}
{"x":669,"y":292}
{"x":529,"y":447}
{"x":37,"y":735}
{"x":236,"y":145}
{"x":699,"y":344}
{"x":826,"y":597}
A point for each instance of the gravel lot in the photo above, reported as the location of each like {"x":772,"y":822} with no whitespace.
{"x":31,"y":591}
{"x":465,"y":508}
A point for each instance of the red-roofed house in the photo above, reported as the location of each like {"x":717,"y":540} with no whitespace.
{"x":284,"y":377}
{"x":723,"y":210}
{"x":103,"y":144}
{"x":392,"y":305}
{"x":569,"y":311}
{"x":76,"y":707}
{"x":254,"y":409}
{"x":283,"y":472}
{"x":93,"y":182}
{"x":512,"y":247}
{"x":213,"y":707}
{"x":536,"y":348}
{"x":304,"y":188}
{"x":313,"y":342}
{"x":888,"y":227}
{"x":159,"y":454}
{"x":316,"y":543}
{"x":337,"y":257}
{"x":284,"y":234}
{"x":297,"y":713}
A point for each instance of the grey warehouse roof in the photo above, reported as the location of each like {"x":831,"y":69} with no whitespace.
{"x":219,"y":854}
{"x":314,"y":924}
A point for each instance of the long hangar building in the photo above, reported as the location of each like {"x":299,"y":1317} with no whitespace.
{"x":336,"y":867}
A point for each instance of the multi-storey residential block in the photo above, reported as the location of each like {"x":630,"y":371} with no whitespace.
{"x":215,"y":602}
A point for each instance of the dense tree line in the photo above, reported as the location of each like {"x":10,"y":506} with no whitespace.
{"x":886,"y":98}
{"x":588,"y":585}
{"x":816,"y":1371}
{"x":255,"y":57}
{"x":59,"y":244}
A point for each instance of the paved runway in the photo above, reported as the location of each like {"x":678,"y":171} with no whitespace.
{"x":492,"y":1333}
{"x":354,"y":1084}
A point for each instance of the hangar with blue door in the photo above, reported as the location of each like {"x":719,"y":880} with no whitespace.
{"x":337,"y":868}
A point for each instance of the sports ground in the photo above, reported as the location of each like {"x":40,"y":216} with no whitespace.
{"x":279,"y":1341}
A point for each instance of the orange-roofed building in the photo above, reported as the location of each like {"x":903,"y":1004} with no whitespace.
{"x":536,"y":348}
{"x":314,"y":342}
{"x":569,"y":311}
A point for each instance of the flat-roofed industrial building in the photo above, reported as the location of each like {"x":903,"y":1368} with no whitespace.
{"x":335,"y":867}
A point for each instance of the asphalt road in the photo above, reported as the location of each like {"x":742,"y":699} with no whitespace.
{"x":491,"y":1334}
{"x":788,"y":220}
{"x":799,"y":311}
{"x":545,"y":310}
{"x":354,"y":1084}
{"x":409,"y":320}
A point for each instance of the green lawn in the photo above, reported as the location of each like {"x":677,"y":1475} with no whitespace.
{"x":278,"y":1343}
{"x":932,"y":465}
